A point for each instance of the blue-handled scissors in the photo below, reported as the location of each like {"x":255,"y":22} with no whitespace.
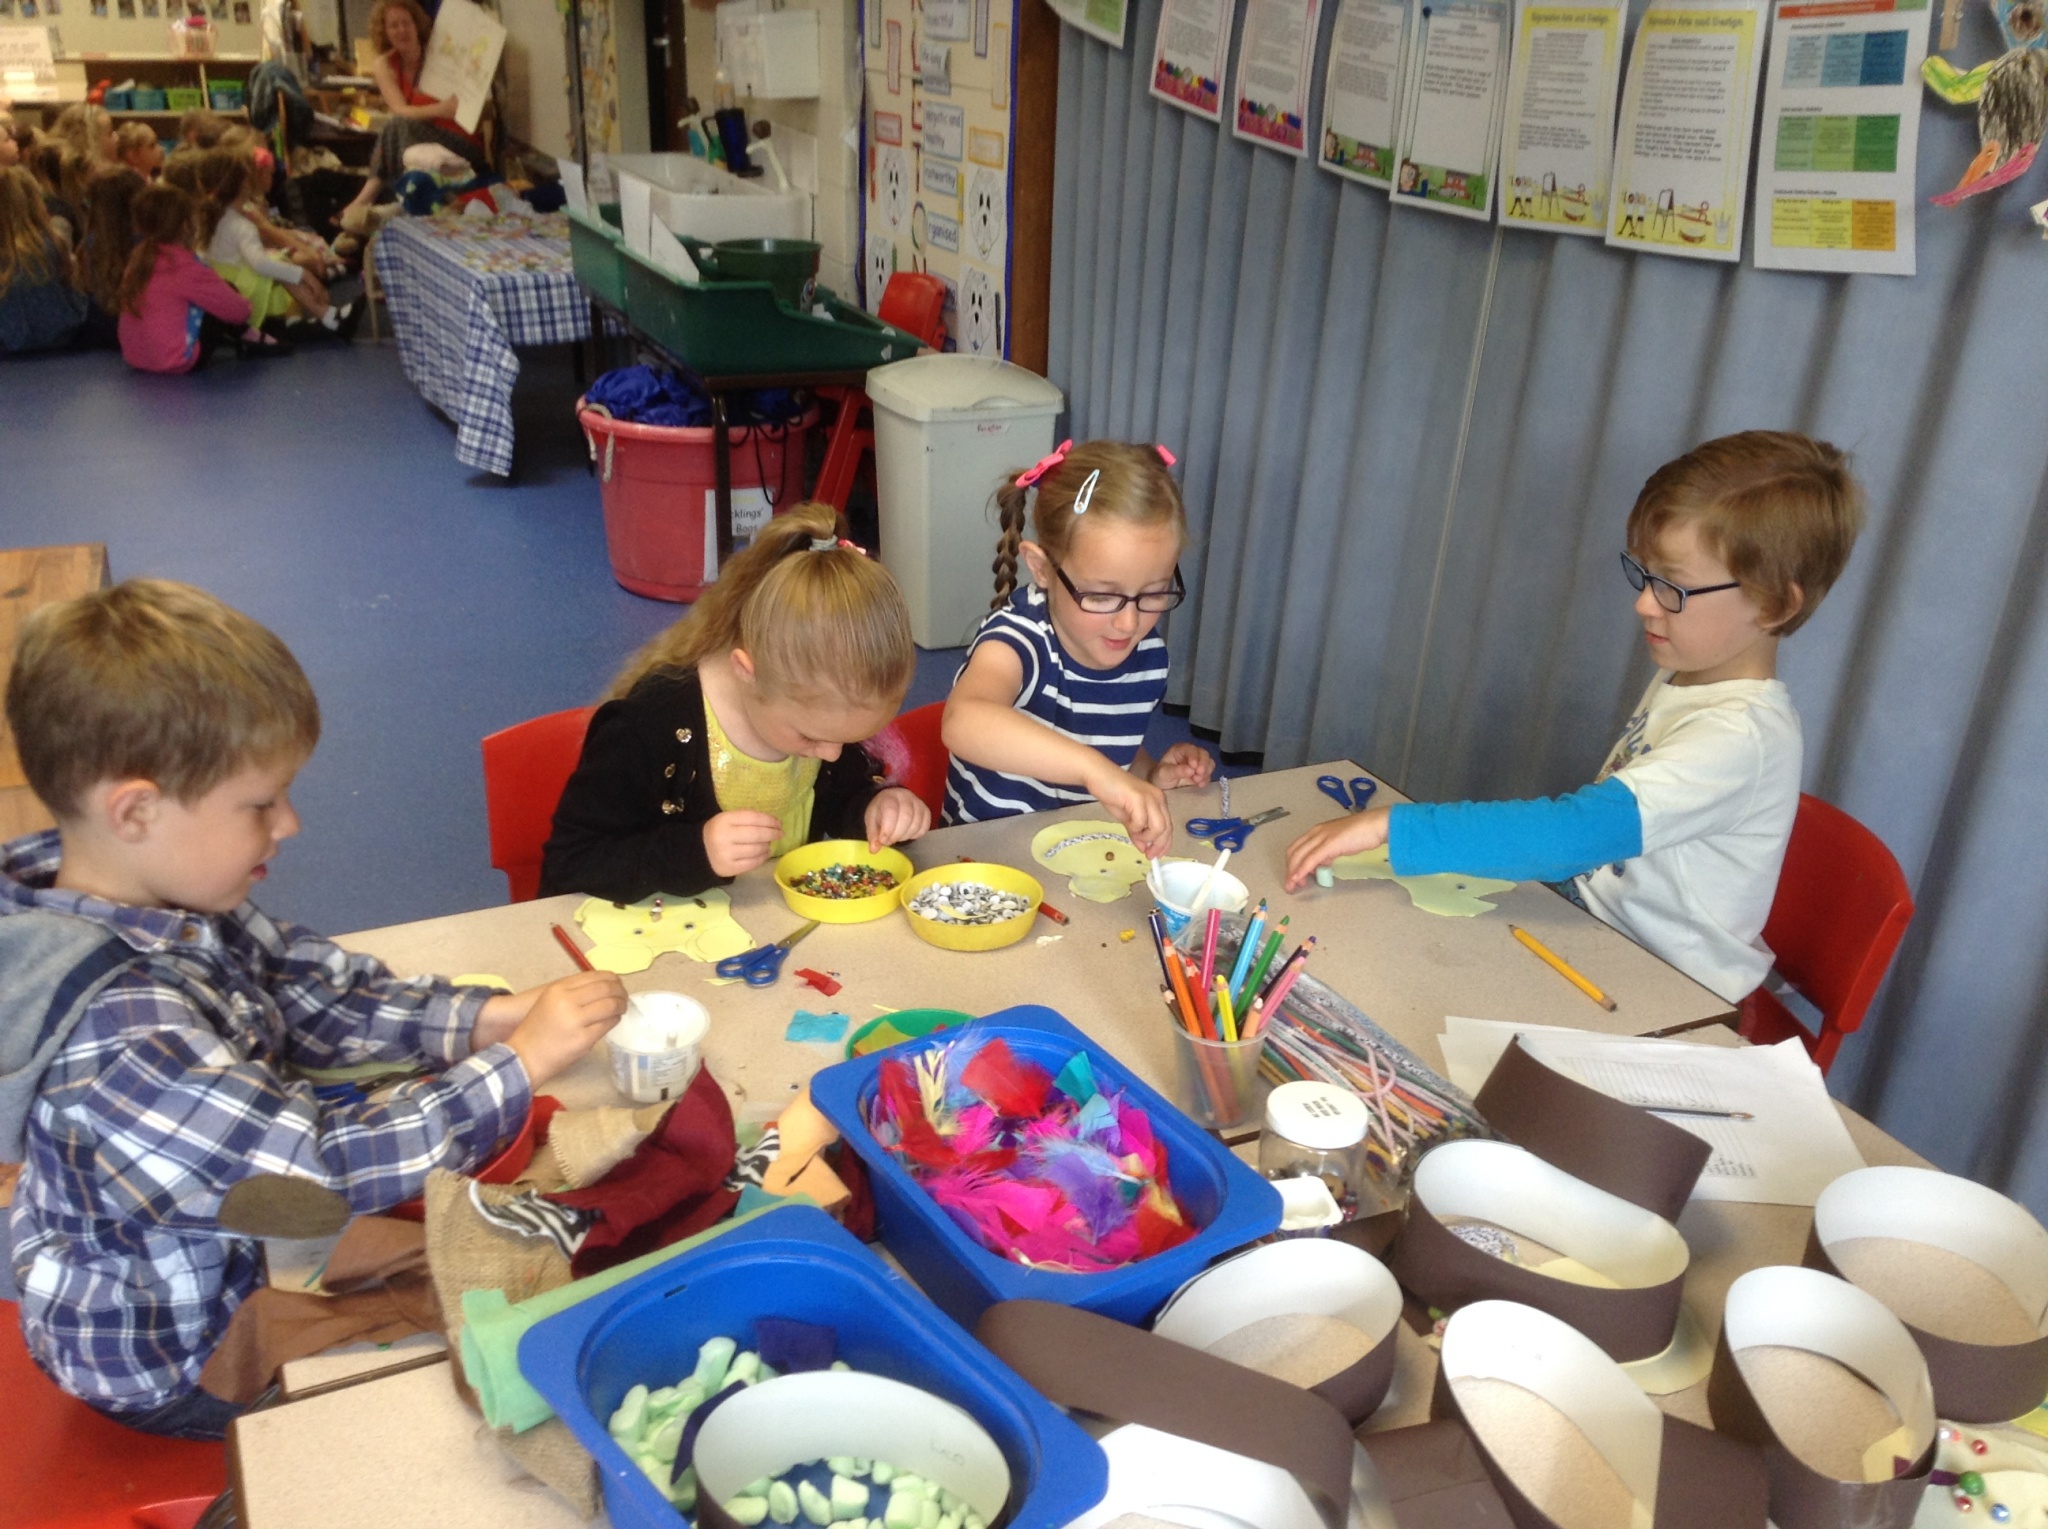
{"x":1230,"y":833}
{"x":763,"y":964}
{"x":1351,"y":795}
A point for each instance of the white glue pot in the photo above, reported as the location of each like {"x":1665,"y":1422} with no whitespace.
{"x":657,"y":1047}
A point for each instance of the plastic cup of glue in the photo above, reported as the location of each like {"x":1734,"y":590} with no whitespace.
{"x":1177,"y":883}
{"x":657,"y":1046}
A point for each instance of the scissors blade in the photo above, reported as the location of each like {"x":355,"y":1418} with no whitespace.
{"x":1267,"y":816}
{"x":793,"y":936}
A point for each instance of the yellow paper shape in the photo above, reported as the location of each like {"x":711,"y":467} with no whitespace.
{"x":627,"y":938}
{"x":482,"y":979}
{"x":1448,"y":894}
{"x":1098,"y":859}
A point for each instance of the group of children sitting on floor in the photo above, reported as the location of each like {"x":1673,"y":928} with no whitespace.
{"x":105,"y":241}
{"x":150,"y":1008}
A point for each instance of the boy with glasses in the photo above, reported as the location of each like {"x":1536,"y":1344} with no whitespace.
{"x":1679,"y":841}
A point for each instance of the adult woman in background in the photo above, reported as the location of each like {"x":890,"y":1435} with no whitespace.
{"x":398,"y":31}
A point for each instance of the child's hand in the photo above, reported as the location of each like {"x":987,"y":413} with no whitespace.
{"x":1329,"y":841}
{"x":1185,"y":764}
{"x":1137,"y":804}
{"x":737,"y":842}
{"x":564,"y":1020}
{"x":896,"y":814}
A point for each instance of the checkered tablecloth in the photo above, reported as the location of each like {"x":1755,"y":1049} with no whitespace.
{"x":462,"y":293}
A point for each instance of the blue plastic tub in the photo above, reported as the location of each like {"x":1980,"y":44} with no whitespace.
{"x":795,"y":1262}
{"x":1229,"y":1202}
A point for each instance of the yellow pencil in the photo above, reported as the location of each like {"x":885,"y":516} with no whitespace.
{"x":1226,"y":1015}
{"x":1559,"y":965}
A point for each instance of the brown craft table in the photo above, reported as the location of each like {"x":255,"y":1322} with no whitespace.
{"x":415,"y":1455}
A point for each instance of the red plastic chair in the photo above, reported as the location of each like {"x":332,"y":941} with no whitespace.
{"x":913,"y":302}
{"x":1842,"y":908}
{"x":525,"y":768}
{"x":67,"y":1467}
{"x":916,"y":757}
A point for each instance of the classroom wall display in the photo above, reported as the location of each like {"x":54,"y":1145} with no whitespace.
{"x":598,"y":50}
{"x":1190,"y":54}
{"x":1275,"y":73}
{"x":1841,"y":134}
{"x":936,"y":169}
{"x":1681,"y":154}
{"x":462,"y":58}
{"x":1558,"y":141}
{"x":1105,"y":19}
{"x":1453,"y":92}
{"x":28,"y":68}
{"x":1361,"y":94}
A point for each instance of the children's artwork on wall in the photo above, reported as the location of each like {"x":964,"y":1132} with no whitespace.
{"x":986,"y":195}
{"x":1190,"y":53}
{"x":889,"y":188}
{"x":2011,"y":96}
{"x":878,"y":266}
{"x":1558,"y":143}
{"x":1098,"y":18}
{"x":1274,"y":58}
{"x":1453,"y":93}
{"x":125,"y":9}
{"x":981,"y":312}
{"x":1363,"y":91}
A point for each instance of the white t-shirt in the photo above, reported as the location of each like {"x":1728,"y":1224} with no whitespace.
{"x":1715,"y":773}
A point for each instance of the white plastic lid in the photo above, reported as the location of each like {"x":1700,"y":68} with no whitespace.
{"x":941,"y":387}
{"x":1317,"y":1115}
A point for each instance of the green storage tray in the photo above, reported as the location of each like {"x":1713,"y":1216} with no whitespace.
{"x":184,"y":98}
{"x":738,"y":329}
{"x":598,"y":257}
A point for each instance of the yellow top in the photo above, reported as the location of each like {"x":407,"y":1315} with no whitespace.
{"x":743,"y":783}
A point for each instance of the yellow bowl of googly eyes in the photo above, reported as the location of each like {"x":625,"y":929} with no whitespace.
{"x":842,"y":881}
{"x":971,"y":905}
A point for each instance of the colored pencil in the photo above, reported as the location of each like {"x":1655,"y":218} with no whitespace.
{"x":1209,"y":934}
{"x":575,"y":953}
{"x":1275,"y":938}
{"x":1052,"y":913}
{"x":1247,"y":948}
{"x":1224,"y":1014}
{"x":1189,"y":975}
{"x":1189,"y":1016}
{"x":1562,"y":967}
{"x":1276,"y":990}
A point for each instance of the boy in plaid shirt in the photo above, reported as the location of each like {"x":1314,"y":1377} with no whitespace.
{"x":150,"y":1010}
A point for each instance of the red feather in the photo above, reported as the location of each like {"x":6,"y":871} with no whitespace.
{"x":920,"y":1140}
{"x":1013,"y":1087}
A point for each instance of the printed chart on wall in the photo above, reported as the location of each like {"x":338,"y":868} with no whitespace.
{"x":1274,"y":60}
{"x":1834,"y":183}
{"x":1447,"y":143}
{"x":1363,"y":89}
{"x":936,"y":182}
{"x":1559,"y":140}
{"x":1098,"y":18}
{"x":1681,"y":154}
{"x":1191,"y":53}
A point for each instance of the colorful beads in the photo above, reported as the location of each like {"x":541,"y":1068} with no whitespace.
{"x":844,"y":882}
{"x":1979,"y":1447}
{"x":2000,"y":1513}
{"x":1970,"y":1482}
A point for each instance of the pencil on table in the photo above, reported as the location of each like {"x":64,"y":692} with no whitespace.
{"x":1563,"y":968}
{"x":575,"y":952}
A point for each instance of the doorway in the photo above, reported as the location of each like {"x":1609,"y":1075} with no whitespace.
{"x":668,"y":87}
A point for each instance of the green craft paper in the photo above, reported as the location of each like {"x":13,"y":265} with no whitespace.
{"x":1448,"y":895}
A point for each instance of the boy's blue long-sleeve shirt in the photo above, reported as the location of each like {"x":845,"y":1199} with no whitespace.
{"x":1550,"y":838}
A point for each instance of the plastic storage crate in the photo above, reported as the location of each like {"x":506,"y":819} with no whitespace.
{"x":738,"y":329}
{"x":149,"y":98}
{"x":794,"y":1262}
{"x":224,"y":95}
{"x":183,"y":98}
{"x":598,"y":257}
{"x":1229,"y":1202}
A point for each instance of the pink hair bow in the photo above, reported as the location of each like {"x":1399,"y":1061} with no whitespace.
{"x":1044,"y":465}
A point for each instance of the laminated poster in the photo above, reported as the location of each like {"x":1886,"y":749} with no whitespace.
{"x":1363,"y":90}
{"x":1834,"y":181}
{"x":1681,"y":155}
{"x":1559,"y":140}
{"x":1447,"y":143}
{"x":1191,"y":54}
{"x":1274,"y":59}
{"x":1098,"y":18}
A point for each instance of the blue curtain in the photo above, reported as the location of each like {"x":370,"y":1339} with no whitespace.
{"x":1410,"y":442}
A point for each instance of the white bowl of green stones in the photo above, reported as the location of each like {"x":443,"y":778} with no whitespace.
{"x":971,"y":905}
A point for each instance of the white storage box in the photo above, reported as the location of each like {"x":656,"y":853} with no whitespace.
{"x":771,"y":55}
{"x":948,"y":430}
{"x":688,"y":195}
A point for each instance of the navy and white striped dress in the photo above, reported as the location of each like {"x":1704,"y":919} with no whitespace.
{"x":1107,"y":709}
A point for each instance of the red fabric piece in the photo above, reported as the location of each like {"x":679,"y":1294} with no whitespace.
{"x":1014,"y":1088}
{"x":672,"y":1186}
{"x":819,"y":980}
{"x":857,"y":1215}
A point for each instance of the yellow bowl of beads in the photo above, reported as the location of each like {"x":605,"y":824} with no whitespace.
{"x":971,"y":905}
{"x":842,"y":881}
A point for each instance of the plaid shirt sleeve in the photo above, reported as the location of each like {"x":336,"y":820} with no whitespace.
{"x":177,"y":1114}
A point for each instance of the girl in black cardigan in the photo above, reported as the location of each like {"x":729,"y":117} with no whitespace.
{"x":734,"y":736}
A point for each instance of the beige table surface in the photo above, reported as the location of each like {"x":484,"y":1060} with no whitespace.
{"x":1405,"y":968}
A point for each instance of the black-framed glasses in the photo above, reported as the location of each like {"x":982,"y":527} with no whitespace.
{"x":1107,"y":602}
{"x":1666,"y":593}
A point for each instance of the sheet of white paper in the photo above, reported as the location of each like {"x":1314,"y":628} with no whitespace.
{"x":1791,"y":1148}
{"x":1453,"y":91}
{"x":636,"y":212}
{"x":667,"y":251}
{"x":1363,"y":89}
{"x":1275,"y":73}
{"x":1834,"y":175}
{"x":462,"y":57}
{"x":1191,"y":53}
{"x":572,"y":185}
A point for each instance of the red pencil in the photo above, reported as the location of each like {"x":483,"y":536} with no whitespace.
{"x":1269,"y":1001}
{"x":569,"y":945}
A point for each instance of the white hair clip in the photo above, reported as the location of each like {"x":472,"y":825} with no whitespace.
{"x":1082,"y":499}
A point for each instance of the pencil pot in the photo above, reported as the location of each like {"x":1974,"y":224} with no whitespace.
{"x":1218,"y":1082}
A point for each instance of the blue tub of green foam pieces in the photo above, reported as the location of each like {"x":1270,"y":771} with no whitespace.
{"x":921,"y":1395}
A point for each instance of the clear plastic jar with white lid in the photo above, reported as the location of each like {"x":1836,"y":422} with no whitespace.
{"x":1318,"y":1130}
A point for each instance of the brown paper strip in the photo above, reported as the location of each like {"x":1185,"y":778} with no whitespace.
{"x":1436,"y":1478}
{"x":1613,"y":1146}
{"x":1357,"y":1390}
{"x":1447,"y":1272}
{"x":1802,"y":1498}
{"x":1973,"y":1382}
{"x":1082,"y":1361}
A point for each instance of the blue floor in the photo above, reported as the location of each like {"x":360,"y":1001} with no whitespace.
{"x":430,"y":605}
